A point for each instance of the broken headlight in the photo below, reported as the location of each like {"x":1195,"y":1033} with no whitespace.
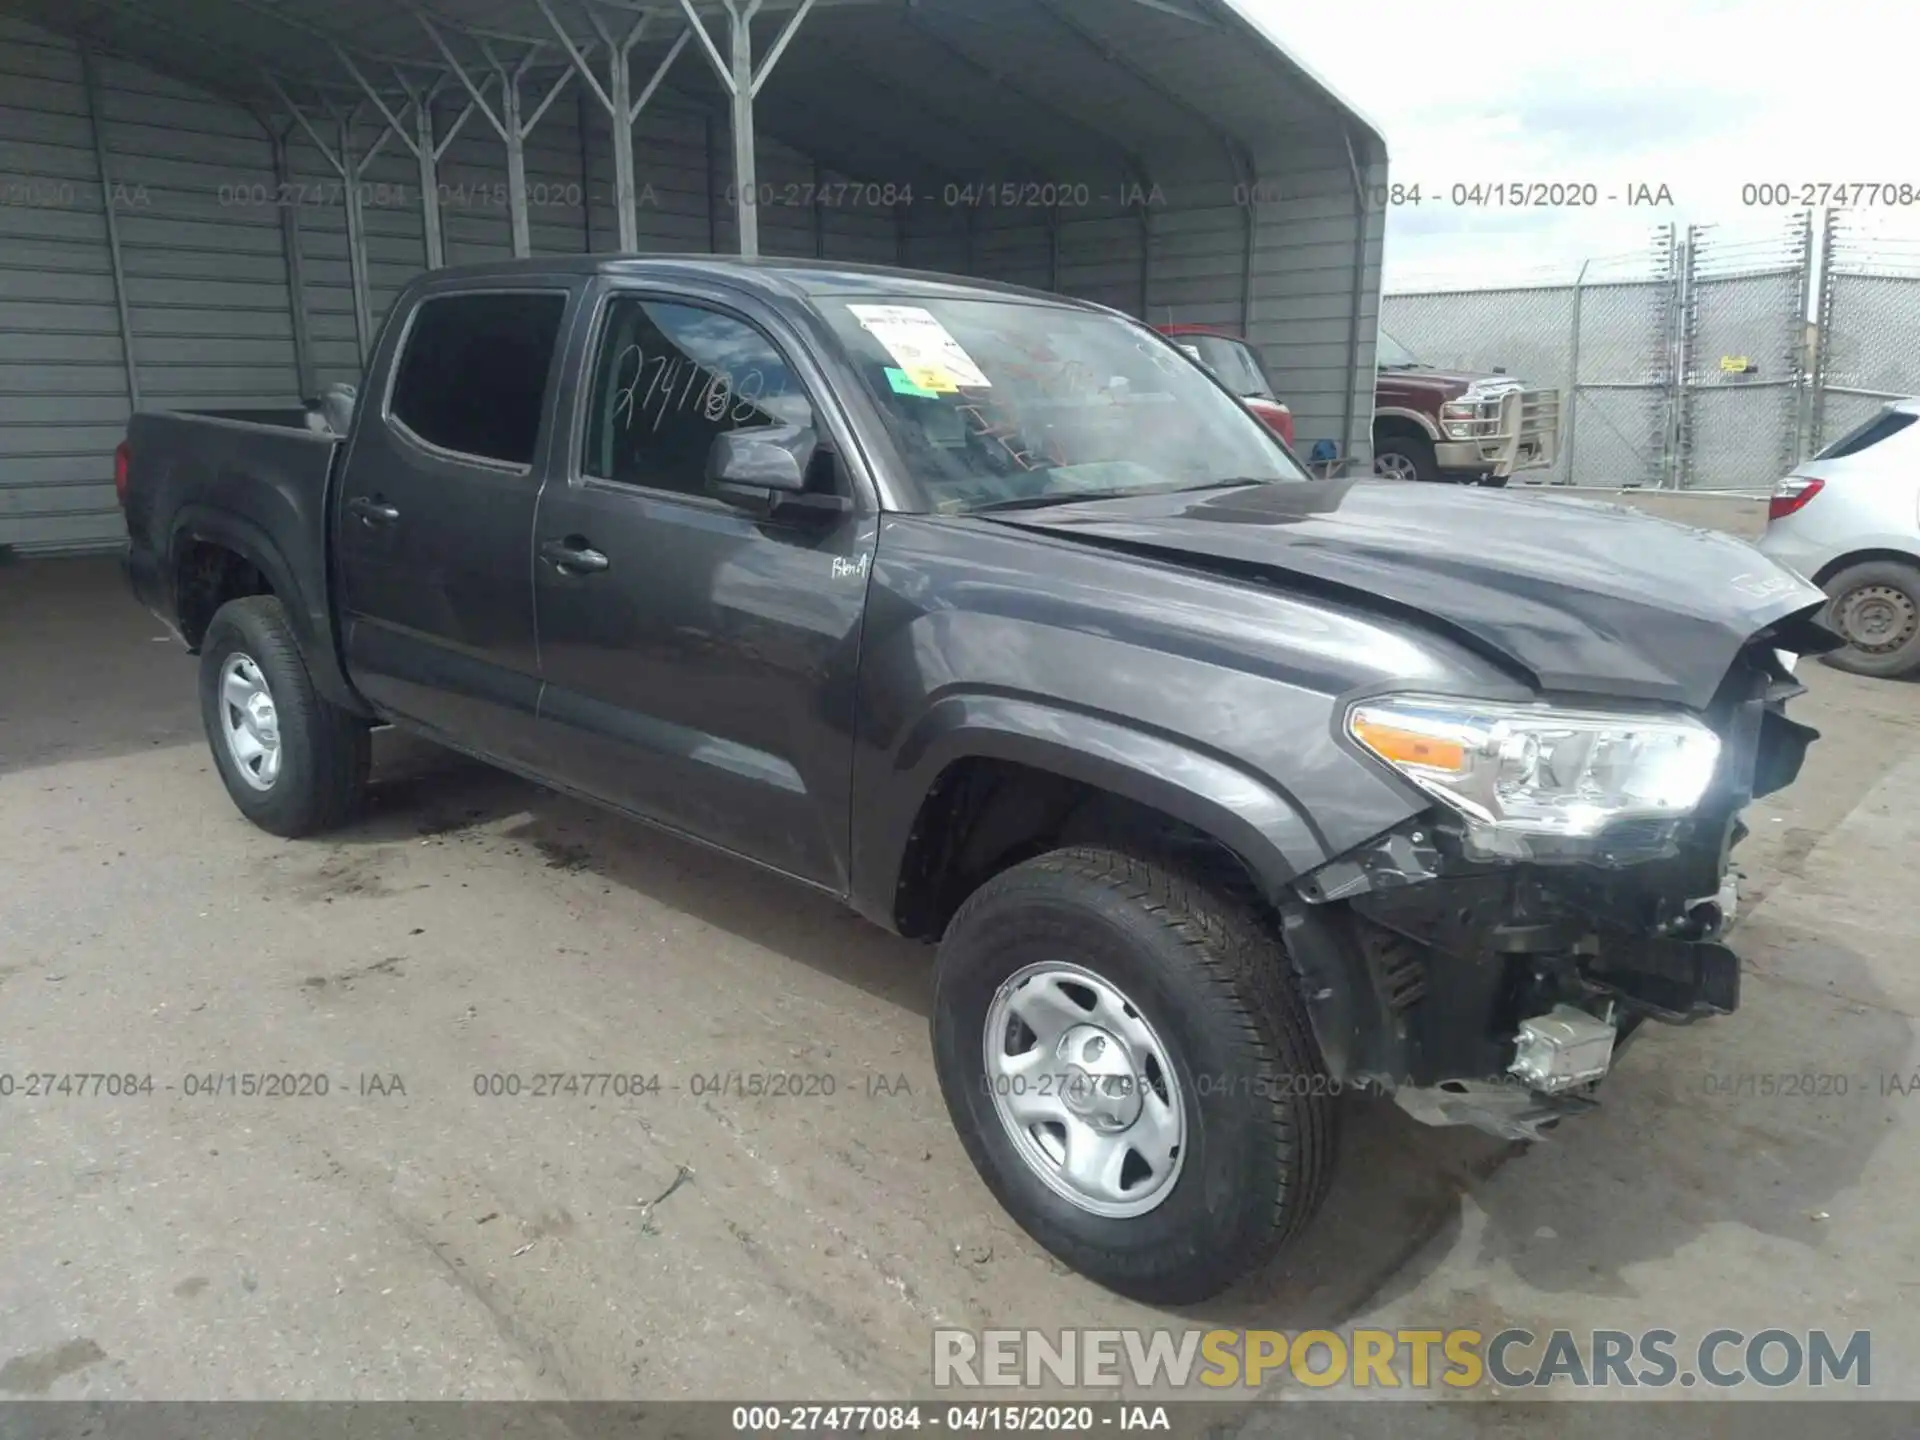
{"x":1519,"y":771}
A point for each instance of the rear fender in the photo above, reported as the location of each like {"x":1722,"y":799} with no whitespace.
{"x":306,"y":614}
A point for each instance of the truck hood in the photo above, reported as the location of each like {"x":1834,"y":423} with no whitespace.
{"x":1585,"y":598}
{"x":1437,"y":384}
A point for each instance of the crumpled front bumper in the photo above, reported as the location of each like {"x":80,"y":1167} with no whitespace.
{"x":1493,"y":993}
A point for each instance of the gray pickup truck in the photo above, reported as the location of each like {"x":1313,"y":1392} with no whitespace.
{"x":1222,"y":790}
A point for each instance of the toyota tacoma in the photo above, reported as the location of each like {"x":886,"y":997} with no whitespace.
{"x":1220,"y":790}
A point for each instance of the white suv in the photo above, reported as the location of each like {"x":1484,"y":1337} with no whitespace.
{"x":1849,"y":520}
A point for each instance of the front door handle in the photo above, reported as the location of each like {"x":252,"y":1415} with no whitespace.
{"x":372,"y":510}
{"x":573,"y":556}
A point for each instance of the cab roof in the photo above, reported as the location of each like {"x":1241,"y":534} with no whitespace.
{"x":773,"y":277}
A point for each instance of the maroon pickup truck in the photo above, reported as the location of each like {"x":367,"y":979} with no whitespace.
{"x":1428,"y":424}
{"x":1462,"y":426}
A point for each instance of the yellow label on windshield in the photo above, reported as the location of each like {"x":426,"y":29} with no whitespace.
{"x":922,"y":347}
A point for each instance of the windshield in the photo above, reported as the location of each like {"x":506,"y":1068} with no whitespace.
{"x":996,"y":403}
{"x":1395,"y":356}
{"x":1232,"y":360}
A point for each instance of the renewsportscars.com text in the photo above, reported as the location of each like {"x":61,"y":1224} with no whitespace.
{"x":1365,"y":1358}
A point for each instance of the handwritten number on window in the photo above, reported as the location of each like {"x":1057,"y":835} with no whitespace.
{"x":678,"y":385}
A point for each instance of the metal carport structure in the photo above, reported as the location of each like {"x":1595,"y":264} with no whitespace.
{"x":211,"y":203}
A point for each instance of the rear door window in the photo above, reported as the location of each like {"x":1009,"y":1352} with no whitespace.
{"x":1881,"y":427}
{"x":472,"y":378}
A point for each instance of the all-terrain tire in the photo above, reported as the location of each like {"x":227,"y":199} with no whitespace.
{"x":1215,"y":984}
{"x":324,"y":751}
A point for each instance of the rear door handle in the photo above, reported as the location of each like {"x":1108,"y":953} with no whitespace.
{"x":372,"y":510}
{"x":573,"y":556}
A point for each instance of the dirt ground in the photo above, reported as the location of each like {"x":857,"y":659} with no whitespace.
{"x":407,"y":1236}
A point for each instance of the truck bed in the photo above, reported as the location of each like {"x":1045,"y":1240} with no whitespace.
{"x":256,"y":482}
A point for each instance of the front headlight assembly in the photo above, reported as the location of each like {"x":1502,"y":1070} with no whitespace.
{"x":1521,"y":773}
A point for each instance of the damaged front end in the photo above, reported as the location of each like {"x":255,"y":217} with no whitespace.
{"x":1484,"y":961}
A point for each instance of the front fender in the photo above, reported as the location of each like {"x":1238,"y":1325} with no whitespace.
{"x":1257,"y":821}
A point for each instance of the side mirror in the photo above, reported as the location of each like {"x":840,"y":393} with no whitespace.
{"x":766,"y":469}
{"x":775,"y":457}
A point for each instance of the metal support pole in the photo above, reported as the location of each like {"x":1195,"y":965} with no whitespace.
{"x":746,"y":178}
{"x":515,"y":137}
{"x":1146,"y":258}
{"x":621,"y":105}
{"x":294,"y":255}
{"x":428,"y":155}
{"x":1822,"y":337}
{"x":819,"y":217}
{"x":1674,"y":466}
{"x":508,"y":124}
{"x":356,"y":238}
{"x":582,"y":128}
{"x":713,"y":211}
{"x":1573,"y":365}
{"x":350,"y":172}
{"x":1252,"y":242}
{"x":1350,"y":441}
{"x":419,"y":143}
{"x":742,"y":83}
{"x":1803,"y":362}
{"x":91,"y":80}
{"x":619,"y":121}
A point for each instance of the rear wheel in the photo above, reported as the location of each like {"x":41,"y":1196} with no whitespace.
{"x":293,"y":763}
{"x":1126,"y":1057}
{"x":1876,"y":607}
{"x":1404,"y":457}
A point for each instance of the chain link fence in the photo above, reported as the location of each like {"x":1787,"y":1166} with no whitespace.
{"x":1602,"y":341}
{"x":1743,"y":340}
{"x":1692,"y":365}
{"x":1869,"y":332}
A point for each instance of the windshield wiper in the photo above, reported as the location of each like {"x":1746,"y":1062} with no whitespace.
{"x":1238,"y":482}
{"x":1037,"y":502}
{"x":1040,"y":502}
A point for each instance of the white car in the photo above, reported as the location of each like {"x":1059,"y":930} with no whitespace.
{"x":1849,"y":520}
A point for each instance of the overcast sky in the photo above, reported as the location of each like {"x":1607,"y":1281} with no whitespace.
{"x":1701,"y":95}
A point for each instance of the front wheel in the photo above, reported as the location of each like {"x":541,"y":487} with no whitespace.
{"x":1125,"y":1054}
{"x":293,"y":763}
{"x":1405,"y":457}
{"x":1876,"y":608}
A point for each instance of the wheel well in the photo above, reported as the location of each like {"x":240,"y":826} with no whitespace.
{"x":1397,"y":427}
{"x":1863,"y":557}
{"x":205,"y":577}
{"x":984,"y":815}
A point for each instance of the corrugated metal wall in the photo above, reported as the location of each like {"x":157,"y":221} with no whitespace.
{"x":62,"y":382}
{"x":199,"y":212}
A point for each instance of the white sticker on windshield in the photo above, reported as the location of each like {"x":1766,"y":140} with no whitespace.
{"x":922,"y":347}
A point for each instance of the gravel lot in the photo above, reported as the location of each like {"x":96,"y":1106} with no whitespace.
{"x":442,"y":1243}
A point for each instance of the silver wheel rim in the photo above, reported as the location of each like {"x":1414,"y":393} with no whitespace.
{"x":249,"y":723}
{"x":1394,"y":467}
{"x":1878,"y":619}
{"x":1086,"y":1089}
